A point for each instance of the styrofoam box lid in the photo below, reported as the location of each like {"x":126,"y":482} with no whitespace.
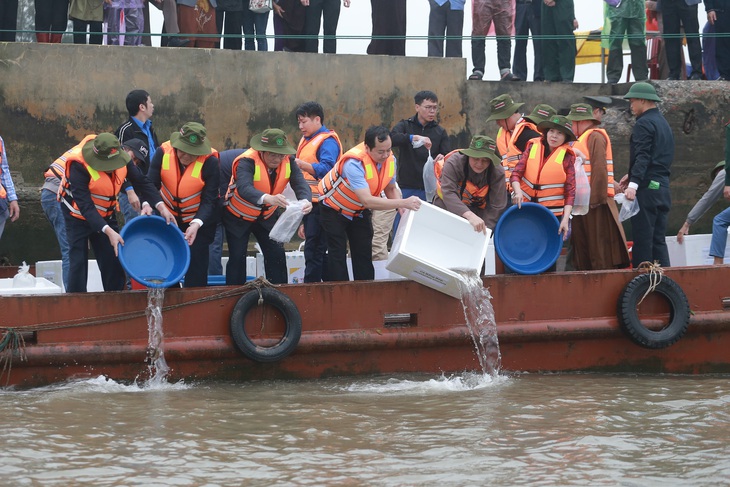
{"x":430,"y":242}
{"x":42,"y":286}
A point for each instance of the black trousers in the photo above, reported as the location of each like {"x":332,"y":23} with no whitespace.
{"x":317,"y":11}
{"x":80,"y":235}
{"x":238,"y":232}
{"x":197,"y":274}
{"x":676,"y":13}
{"x":51,"y":15}
{"x":230,"y":23}
{"x":441,"y":19}
{"x":359,"y":233}
{"x":8,"y":20}
{"x":649,"y":226}
{"x":527,"y":20}
{"x":95,"y":29}
{"x":722,"y":49}
{"x":389,"y":19}
{"x":315,"y":248}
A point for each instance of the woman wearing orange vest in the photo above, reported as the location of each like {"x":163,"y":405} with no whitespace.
{"x":186,"y":171}
{"x":93,"y":174}
{"x":469,"y":183}
{"x":258,"y":177}
{"x":545,"y":173}
{"x":350,"y":191}
{"x":598,"y":237}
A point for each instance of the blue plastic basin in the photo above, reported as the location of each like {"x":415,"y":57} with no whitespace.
{"x":154,"y":253}
{"x":527,"y":239}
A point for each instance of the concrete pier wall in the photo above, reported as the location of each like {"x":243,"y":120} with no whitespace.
{"x":53,"y":95}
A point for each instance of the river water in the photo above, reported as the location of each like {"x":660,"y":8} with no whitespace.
{"x":469,"y":429}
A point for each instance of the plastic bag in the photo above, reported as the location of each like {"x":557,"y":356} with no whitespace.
{"x":418,"y":143}
{"x":582,"y":202}
{"x":288,"y":222}
{"x":260,"y":6}
{"x":429,"y":179}
{"x":24,"y":278}
{"x":629,"y":208}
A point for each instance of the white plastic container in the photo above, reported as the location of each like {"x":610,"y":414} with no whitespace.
{"x":52,"y":270}
{"x":42,"y":286}
{"x":430,"y":242}
{"x":695,"y":250}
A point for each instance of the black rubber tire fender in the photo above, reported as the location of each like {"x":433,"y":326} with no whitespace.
{"x":629,"y":317}
{"x":289,"y":340}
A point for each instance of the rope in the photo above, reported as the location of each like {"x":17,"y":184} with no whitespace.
{"x":257,"y":283}
{"x":11,"y":341}
{"x":655,"y":276}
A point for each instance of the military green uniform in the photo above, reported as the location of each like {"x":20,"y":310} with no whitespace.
{"x":558,"y":54}
{"x":629,"y":19}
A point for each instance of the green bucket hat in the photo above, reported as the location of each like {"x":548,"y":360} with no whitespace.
{"x":559,"y":123}
{"x":502,"y":107}
{"x":104,"y":153}
{"x":541,"y":113}
{"x":272,"y":140}
{"x":482,"y":146}
{"x":643,"y":91}
{"x":581,"y":111}
{"x":718,"y":167}
{"x":191,"y":139}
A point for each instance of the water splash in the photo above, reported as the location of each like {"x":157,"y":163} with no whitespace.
{"x":479,"y":316}
{"x":157,"y":366}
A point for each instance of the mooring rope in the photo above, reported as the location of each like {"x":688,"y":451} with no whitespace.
{"x":655,"y":272}
{"x":11,"y":342}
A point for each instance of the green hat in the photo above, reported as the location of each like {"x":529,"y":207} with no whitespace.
{"x":540,"y":113}
{"x":581,"y":111}
{"x":104,"y":153}
{"x":482,"y":146}
{"x":192,"y":139}
{"x":598,"y":101}
{"x":718,"y":167}
{"x":642,"y":91}
{"x":559,"y":123}
{"x":272,"y":140}
{"x":502,"y":107}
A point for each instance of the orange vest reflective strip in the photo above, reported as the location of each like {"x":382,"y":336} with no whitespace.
{"x":307,"y":151}
{"x":58,"y":167}
{"x":545,"y":183}
{"x":103,"y":186}
{"x":251,"y":211}
{"x":335,"y":189}
{"x":582,"y":145}
{"x":503,"y":138}
{"x":472,"y":194}
{"x":182,"y":193}
{"x":512,"y":154}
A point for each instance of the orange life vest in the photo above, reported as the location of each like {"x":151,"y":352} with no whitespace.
{"x":3,"y":192}
{"x":471,"y":194}
{"x":511,"y":154}
{"x":582,"y":145}
{"x":58,"y":167}
{"x":545,"y":183}
{"x":307,"y":151}
{"x":247,"y":210}
{"x":335,"y":189}
{"x":182,"y":193}
{"x":103,"y":186}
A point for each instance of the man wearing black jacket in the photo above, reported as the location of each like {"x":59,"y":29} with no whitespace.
{"x":415,"y":138}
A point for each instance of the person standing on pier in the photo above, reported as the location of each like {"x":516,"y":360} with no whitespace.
{"x":9,"y":208}
{"x":651,"y":153}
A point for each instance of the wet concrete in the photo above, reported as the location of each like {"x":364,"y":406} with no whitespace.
{"x":53,"y":95}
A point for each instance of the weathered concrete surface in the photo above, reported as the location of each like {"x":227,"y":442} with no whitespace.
{"x":52,"y":95}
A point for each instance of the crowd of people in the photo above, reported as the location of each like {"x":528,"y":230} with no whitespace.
{"x":351,"y":197}
{"x":243,"y":24}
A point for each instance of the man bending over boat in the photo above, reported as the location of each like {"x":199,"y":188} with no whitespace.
{"x":93,"y":175}
{"x":349,"y":193}
{"x":469,"y":183}
{"x":258,"y":178}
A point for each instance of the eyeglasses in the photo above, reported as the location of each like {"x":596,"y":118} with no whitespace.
{"x":430,"y":108}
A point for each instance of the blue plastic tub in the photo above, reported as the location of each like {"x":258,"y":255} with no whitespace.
{"x":527,"y":239}
{"x":154,"y":253}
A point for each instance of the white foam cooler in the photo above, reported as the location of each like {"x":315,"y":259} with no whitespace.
{"x":430,"y":242}
{"x":42,"y":286}
{"x":695,"y":250}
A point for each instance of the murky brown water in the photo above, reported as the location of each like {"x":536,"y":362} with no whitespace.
{"x":465,"y":430}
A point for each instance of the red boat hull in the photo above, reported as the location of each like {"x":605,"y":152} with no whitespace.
{"x":546,"y":323}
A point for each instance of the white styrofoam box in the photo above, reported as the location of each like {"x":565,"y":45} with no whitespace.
{"x":260,"y":269}
{"x":295,"y":265}
{"x":382,"y":273}
{"x":695,"y":250}
{"x":42,"y":286}
{"x":490,"y":267}
{"x":250,"y":265}
{"x":430,"y":242}
{"x":53,"y":271}
{"x":224,"y":263}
